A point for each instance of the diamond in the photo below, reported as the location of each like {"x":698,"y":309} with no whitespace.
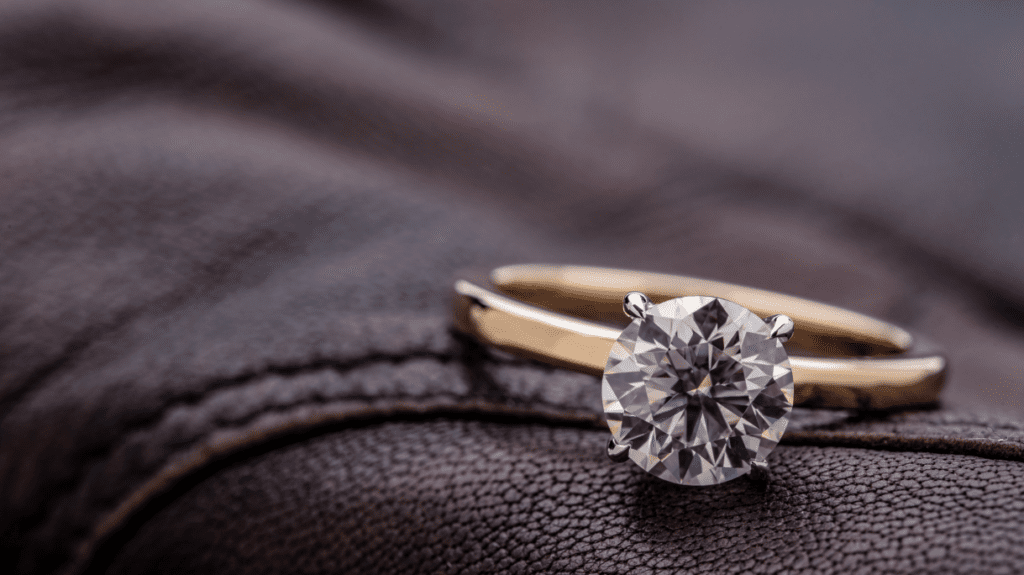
{"x":698,"y":389}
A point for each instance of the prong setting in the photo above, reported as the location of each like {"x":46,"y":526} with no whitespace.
{"x":759,"y":471}
{"x":617,"y":452}
{"x":636,"y":304}
{"x":780,"y":327}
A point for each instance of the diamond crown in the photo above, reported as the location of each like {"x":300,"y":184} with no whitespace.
{"x":698,"y":389}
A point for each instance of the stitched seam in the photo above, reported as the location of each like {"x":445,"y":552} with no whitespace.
{"x":471,"y":410}
{"x":74,"y":488}
{"x":223,"y":384}
{"x":856,"y":441}
{"x":32,"y":522}
{"x":479,"y":389}
{"x":948,"y":445}
{"x":367,"y":401}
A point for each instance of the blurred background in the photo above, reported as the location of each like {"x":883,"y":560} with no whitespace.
{"x":159,"y":157}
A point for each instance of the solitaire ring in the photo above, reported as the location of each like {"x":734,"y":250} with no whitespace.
{"x":698,"y":388}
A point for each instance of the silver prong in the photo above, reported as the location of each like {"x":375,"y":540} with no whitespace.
{"x":780,"y":327}
{"x":759,"y":471}
{"x":636,"y":304}
{"x":617,"y":452}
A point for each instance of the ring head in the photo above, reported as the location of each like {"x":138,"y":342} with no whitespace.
{"x":698,"y":389}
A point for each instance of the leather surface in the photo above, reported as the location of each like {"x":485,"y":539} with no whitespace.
{"x":229,"y":231}
{"x":474,"y":497}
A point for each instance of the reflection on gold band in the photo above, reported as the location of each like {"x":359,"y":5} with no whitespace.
{"x":557,"y":314}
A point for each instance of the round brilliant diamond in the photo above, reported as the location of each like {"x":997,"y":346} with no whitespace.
{"x":698,"y":390}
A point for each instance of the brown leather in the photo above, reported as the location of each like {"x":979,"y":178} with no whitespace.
{"x":456,"y":496}
{"x":229,"y":232}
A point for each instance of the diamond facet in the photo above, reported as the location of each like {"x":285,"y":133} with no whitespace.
{"x":698,"y":389}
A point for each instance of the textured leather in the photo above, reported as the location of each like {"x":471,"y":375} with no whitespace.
{"x":444,"y":496}
{"x":229,"y":231}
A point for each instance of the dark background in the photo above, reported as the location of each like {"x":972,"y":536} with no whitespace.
{"x":227,"y":232}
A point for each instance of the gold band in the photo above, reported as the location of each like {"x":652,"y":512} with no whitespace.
{"x":559,"y":315}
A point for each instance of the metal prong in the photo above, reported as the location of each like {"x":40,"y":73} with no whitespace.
{"x":780,"y":327}
{"x":759,"y":471}
{"x":636,"y":304}
{"x":617,"y":452}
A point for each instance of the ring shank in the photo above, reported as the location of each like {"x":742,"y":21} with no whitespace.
{"x":871,"y":365}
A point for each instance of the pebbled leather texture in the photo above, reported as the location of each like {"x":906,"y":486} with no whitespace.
{"x":479,"y":496}
{"x":229,"y":229}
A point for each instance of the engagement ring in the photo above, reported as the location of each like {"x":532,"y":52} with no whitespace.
{"x":697,"y":388}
